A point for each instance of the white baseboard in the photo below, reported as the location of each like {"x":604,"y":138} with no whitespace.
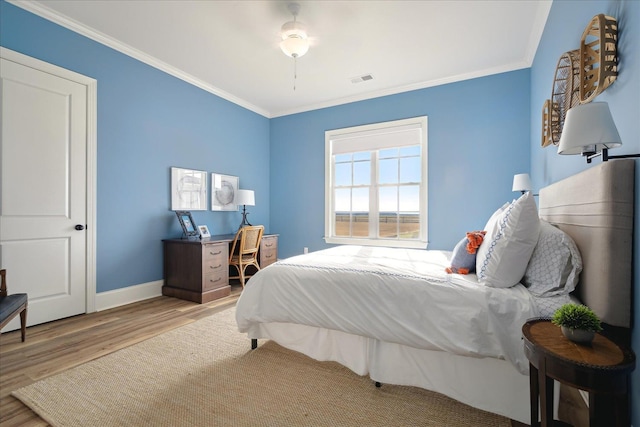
{"x":118,"y":297}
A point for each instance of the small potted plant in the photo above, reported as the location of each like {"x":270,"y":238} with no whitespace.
{"x":578,"y":322}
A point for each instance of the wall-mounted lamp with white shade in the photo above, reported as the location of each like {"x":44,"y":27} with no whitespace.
{"x":589,"y":130}
{"x":245,"y":198}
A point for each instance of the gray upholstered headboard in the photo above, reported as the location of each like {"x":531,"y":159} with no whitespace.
{"x":595,"y":207}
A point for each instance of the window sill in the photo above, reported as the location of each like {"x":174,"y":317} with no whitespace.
{"x":411,"y":244}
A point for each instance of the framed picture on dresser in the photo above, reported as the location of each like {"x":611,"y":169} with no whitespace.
{"x":186,"y":222}
{"x":204,"y":231}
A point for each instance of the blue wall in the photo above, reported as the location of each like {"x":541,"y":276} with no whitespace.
{"x":478,"y":136}
{"x":567,"y":20}
{"x":148,"y":122}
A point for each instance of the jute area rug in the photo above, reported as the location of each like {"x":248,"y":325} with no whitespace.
{"x":203,"y":374}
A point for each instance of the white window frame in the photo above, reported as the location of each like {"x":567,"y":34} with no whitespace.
{"x":369,"y":138}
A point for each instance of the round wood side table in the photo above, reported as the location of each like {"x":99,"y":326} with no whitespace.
{"x":601,"y":368}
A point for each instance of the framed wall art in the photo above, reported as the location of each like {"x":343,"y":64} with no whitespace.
{"x":188,"y":189}
{"x":223,"y":192}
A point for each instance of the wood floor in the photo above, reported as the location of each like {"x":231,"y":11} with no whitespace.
{"x":54,"y":347}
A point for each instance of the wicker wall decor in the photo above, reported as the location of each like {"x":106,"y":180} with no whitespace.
{"x":546,"y":123}
{"x":581,"y":75}
{"x":565,"y":93}
{"x":598,"y":57}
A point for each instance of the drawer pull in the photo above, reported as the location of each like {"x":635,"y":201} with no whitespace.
{"x":217,"y":280}
{"x":217,"y":266}
{"x":268,"y":245}
{"x":215,"y":253}
{"x":269,"y":256}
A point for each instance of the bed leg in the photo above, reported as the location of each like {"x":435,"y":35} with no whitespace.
{"x":254,"y":343}
{"x":378,"y":384}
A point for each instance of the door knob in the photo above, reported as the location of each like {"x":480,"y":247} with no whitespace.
{"x":79,"y":227}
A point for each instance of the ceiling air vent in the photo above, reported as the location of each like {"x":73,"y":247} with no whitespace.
{"x":363,"y":78}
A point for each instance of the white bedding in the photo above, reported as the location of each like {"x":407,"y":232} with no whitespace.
{"x":399,"y":296}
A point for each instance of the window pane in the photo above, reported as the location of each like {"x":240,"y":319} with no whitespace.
{"x":409,"y":226}
{"x":362,"y":173}
{"x":414,"y":150}
{"x":410,"y":169}
{"x":352,"y":212}
{"x":360,"y":225}
{"x":388,"y":153}
{"x":388,"y":225}
{"x":410,"y":198}
{"x":343,"y":224}
{"x":360,"y":201}
{"x":343,"y":174}
{"x":343,"y":212}
{"x":388,"y":213}
{"x":341,"y":158}
{"x":343,"y":200}
{"x":409,"y":220}
{"x":360,"y":212}
{"x":388,"y":173}
{"x":364,"y":155}
{"x":388,"y":199}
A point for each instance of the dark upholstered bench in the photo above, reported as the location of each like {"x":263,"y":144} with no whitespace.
{"x":12,"y":305}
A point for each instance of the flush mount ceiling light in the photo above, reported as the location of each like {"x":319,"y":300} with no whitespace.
{"x":294,"y":39}
{"x":294,"y":35}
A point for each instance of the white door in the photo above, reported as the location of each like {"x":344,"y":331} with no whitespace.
{"x":44,"y":214}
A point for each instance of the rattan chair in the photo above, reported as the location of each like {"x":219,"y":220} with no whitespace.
{"x":244,"y":251}
{"x":12,"y":305}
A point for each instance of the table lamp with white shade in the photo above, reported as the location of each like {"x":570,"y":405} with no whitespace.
{"x":245,"y":198}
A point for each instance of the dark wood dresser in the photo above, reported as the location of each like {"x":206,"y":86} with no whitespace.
{"x":198,"y":270}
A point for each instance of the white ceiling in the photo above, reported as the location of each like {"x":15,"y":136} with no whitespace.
{"x":231,"y":48}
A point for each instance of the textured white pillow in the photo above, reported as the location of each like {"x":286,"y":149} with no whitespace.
{"x":555,"y":264}
{"x":507,"y":247}
{"x":547,"y":306}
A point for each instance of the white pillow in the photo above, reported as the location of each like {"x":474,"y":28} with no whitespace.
{"x":494,"y":217}
{"x":555,"y":264}
{"x":507,"y":247}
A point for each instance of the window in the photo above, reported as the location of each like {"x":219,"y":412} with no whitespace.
{"x":376,"y":184}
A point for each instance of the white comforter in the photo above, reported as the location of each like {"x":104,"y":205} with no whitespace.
{"x":395,"y":295}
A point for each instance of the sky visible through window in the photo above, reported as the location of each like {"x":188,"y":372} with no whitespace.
{"x":399,"y":176}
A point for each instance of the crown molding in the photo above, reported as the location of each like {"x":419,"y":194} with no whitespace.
{"x":43,"y":11}
{"x":75,"y":26}
{"x":406,"y":88}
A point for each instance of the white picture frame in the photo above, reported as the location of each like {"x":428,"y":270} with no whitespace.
{"x":223,"y":192}
{"x":204,"y":231}
{"x":188,"y":190}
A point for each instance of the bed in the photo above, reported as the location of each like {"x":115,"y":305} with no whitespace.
{"x":396,"y":316}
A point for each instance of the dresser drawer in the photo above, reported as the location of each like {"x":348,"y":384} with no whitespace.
{"x":268,"y":251}
{"x":215,"y":272}
{"x":215,"y":253}
{"x":213,"y":266}
{"x":215,"y":280}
